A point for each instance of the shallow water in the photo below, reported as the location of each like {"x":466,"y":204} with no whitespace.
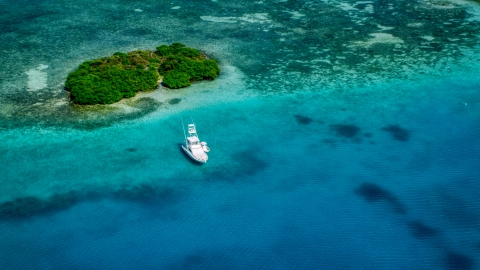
{"x":344,"y":135}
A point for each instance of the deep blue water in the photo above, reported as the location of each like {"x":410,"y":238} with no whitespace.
{"x":344,"y":135}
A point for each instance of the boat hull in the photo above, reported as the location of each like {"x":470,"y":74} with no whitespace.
{"x":185,"y":149}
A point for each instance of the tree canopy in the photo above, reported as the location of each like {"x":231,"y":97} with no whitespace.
{"x":182,"y":65}
{"x":109,"y":79}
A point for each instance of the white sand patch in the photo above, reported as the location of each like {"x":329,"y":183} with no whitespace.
{"x":37,"y":78}
{"x":385,"y":28}
{"x":380,"y":38}
{"x":125,"y":107}
{"x":255,"y":18}
{"x":471,"y":6}
{"x":346,"y":7}
{"x":176,"y":7}
{"x":200,"y":94}
{"x":60,"y":103}
{"x":42,"y":67}
{"x":296,"y":15}
{"x":250,"y":18}
{"x":438,"y":5}
{"x":322,"y":61}
{"x":415,"y":24}
{"x":429,"y":38}
{"x":138,"y":10}
{"x":299,"y":31}
{"x":219,"y":19}
{"x":369,"y":9}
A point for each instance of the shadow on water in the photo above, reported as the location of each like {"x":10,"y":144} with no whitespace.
{"x":373,"y":193}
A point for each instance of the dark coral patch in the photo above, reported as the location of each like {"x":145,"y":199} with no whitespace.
{"x":421,"y":231}
{"x":457,"y":261}
{"x":131,"y":149}
{"x":30,"y":206}
{"x":22,"y":207}
{"x":174,"y":101}
{"x":26,"y":207}
{"x":397,"y":132}
{"x":303,"y":120}
{"x":347,"y":131}
{"x":248,"y":163}
{"x":374,"y":193}
{"x":253,"y":162}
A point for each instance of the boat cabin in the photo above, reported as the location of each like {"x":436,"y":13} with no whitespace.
{"x":194,"y":142}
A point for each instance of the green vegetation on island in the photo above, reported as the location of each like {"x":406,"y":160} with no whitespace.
{"x":122,"y":75}
{"x":182,"y":65}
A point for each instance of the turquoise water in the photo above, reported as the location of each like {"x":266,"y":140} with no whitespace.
{"x":344,"y":135}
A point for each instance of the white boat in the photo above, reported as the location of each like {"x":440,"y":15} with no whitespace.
{"x":193,"y":147}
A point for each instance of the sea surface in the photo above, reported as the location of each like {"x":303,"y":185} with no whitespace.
{"x":344,"y":135}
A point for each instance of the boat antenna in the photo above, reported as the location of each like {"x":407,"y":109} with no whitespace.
{"x":183,"y":126}
{"x":193,"y":122}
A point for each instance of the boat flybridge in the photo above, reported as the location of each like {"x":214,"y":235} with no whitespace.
{"x":193,"y":147}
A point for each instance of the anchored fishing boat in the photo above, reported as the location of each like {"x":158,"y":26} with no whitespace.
{"x":193,"y":147}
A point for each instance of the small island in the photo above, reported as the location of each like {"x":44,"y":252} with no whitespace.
{"x":109,"y":79}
